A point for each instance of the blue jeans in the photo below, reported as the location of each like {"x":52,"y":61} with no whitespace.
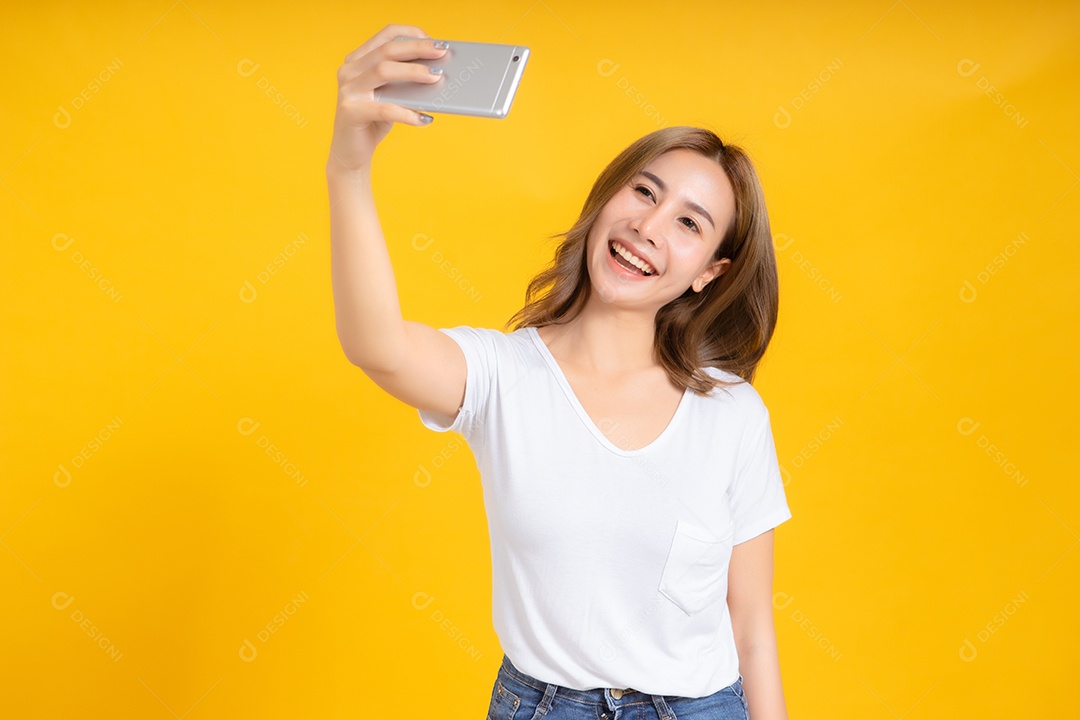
{"x":517,"y":696}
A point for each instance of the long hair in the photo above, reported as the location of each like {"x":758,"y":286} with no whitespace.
{"x":727,"y":325}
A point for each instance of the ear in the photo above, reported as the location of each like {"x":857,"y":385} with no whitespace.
{"x":715,"y":269}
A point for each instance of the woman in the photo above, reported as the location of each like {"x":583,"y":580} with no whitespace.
{"x":628,"y":466}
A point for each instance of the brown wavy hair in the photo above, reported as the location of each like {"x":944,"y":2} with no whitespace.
{"x":728,"y":325}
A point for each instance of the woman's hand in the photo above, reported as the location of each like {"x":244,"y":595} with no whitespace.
{"x":361,"y":121}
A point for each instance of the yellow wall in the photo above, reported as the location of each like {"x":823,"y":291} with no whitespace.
{"x":188,"y":459}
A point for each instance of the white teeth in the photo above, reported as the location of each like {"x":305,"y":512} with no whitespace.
{"x":632,"y":258}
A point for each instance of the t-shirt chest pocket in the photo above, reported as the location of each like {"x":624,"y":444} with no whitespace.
{"x":695,"y":572}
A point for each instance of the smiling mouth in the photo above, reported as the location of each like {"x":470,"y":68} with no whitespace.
{"x":629,"y":260}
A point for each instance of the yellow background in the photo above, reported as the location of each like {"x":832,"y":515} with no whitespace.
{"x":188,"y":458}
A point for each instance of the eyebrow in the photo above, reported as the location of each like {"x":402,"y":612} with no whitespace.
{"x":692,"y":205}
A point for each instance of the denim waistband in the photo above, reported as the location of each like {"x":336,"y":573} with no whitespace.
{"x":605,"y":697}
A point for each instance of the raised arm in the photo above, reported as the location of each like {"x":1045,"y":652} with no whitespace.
{"x":413,"y":362}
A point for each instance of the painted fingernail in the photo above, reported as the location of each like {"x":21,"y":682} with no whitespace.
{"x":436,"y":70}
{"x":425,"y":118}
{"x":441,"y":44}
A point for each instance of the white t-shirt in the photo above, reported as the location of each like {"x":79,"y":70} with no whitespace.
{"x":609,"y":566}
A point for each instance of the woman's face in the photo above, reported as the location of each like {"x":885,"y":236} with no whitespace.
{"x":669,"y":219}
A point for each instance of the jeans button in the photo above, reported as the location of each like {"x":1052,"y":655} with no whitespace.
{"x":617,"y":694}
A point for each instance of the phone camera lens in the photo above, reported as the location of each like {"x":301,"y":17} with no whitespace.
{"x":516,"y":58}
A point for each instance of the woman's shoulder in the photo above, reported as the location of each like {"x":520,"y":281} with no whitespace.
{"x":493,"y":335}
{"x":736,"y":391}
{"x":493,"y":342}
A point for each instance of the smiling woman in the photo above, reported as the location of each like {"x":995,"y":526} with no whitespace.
{"x":725,"y":324}
{"x":628,"y":467}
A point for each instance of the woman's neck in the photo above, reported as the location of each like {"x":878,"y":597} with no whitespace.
{"x":605,"y":340}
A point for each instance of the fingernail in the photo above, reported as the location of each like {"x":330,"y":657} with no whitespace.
{"x":440,"y":44}
{"x":436,"y":70}
{"x":425,"y":118}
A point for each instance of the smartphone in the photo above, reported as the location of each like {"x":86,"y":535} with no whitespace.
{"x":479,"y":79}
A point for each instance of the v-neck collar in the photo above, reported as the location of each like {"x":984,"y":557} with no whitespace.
{"x":571,"y":396}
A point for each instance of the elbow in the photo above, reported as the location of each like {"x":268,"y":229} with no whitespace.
{"x":370,"y":363}
{"x":378,"y":350}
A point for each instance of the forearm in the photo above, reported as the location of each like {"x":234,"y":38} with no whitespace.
{"x":370,"y":327}
{"x":759,"y":666}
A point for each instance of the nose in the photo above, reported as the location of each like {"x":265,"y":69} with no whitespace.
{"x":649,"y":224}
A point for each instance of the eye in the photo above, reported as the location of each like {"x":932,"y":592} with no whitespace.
{"x":643,"y":190}
{"x":688,"y":222}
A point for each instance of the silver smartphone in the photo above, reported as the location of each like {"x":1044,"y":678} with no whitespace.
{"x":479,"y":79}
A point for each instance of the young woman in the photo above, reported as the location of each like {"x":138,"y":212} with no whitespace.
{"x":628,"y":467}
